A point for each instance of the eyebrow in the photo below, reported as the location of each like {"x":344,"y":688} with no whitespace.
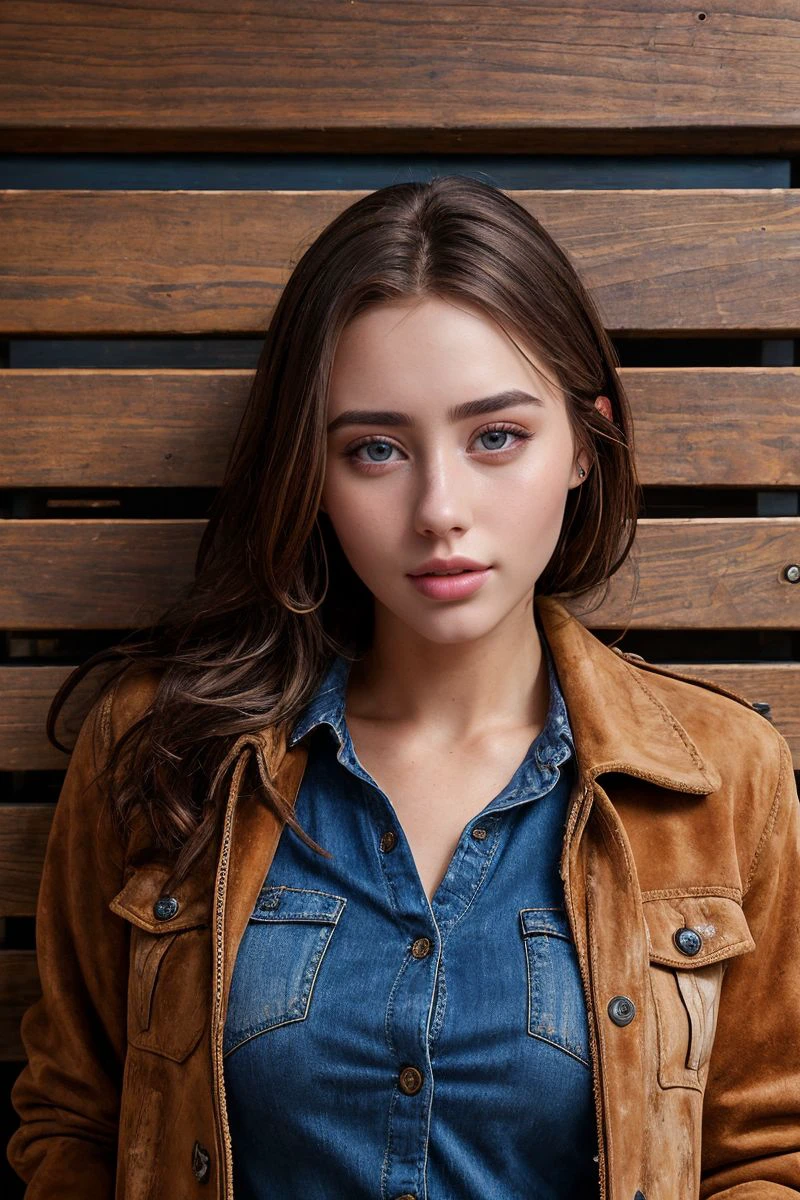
{"x":460,"y":412}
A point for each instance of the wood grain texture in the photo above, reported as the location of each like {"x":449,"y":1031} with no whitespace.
{"x":23,"y":839}
{"x":706,"y":573}
{"x":25,"y":696}
{"x":700,"y":427}
{"x":320,"y":75}
{"x":657,"y":261}
{"x":19,"y":987}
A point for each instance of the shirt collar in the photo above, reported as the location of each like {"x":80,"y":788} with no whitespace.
{"x":552,"y":747}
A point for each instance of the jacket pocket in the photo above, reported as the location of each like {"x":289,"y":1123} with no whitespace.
{"x":556,"y":1005}
{"x":686,"y":987}
{"x":279,"y":960}
{"x":169,"y":983}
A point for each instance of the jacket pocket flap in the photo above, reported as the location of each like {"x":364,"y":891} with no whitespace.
{"x":718,"y":921}
{"x":280,"y":903}
{"x":137,"y":900}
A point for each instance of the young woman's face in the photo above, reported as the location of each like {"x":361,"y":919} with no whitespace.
{"x":407,"y":481}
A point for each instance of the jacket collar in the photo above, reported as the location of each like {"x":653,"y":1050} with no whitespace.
{"x":617,"y":722}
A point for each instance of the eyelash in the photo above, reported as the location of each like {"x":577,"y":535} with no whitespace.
{"x":498,"y":428}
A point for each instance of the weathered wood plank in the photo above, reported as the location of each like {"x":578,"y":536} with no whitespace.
{"x":707,"y":573}
{"x":112,"y":262}
{"x":699,"y":427}
{"x":636,"y":75}
{"x":19,"y":987}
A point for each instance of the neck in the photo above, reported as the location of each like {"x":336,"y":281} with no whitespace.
{"x":454,"y":691}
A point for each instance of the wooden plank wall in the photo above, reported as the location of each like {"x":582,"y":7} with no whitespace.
{"x":657,"y":140}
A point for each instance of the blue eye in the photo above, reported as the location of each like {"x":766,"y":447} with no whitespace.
{"x":496,"y":433}
{"x":385,"y":447}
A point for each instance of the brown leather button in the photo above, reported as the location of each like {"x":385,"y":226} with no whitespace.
{"x":388,"y":841}
{"x":421,"y":947}
{"x":410,"y":1080}
{"x":478,"y":833}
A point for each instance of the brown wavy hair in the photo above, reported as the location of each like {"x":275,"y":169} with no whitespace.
{"x":273,"y":597}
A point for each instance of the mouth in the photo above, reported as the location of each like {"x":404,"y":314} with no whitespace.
{"x":447,"y":574}
{"x":451,"y":585}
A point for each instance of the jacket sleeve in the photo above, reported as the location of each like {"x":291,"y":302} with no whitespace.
{"x":751,"y":1114}
{"x":68,"y":1094}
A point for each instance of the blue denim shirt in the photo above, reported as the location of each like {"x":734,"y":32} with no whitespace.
{"x":378,"y":1046}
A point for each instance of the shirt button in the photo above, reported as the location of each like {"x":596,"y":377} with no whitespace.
{"x":388,"y":841}
{"x":200,"y":1162}
{"x":479,"y":834}
{"x":410,"y":1080}
{"x":421,"y":947}
{"x":687,"y":940}
{"x":406,"y":1196}
{"x":165,"y":908}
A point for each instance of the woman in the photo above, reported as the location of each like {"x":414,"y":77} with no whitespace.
{"x":376,"y":873}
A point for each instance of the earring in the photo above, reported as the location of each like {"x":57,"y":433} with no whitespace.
{"x":581,"y":472}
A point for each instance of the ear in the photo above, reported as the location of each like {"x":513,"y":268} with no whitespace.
{"x":604,"y":404}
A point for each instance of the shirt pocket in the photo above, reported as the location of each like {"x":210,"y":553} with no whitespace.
{"x":169,"y":982}
{"x":686,"y":988}
{"x":556,"y":1004}
{"x":279,"y":960}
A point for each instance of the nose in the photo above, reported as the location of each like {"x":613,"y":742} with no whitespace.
{"x":442,"y":501}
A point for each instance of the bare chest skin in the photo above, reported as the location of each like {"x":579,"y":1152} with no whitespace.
{"x":435,"y":793}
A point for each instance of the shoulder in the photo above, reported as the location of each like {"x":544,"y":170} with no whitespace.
{"x":643,"y":664}
{"x":733,"y":731}
{"x":128,"y":699}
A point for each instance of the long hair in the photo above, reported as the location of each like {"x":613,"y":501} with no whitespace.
{"x":273,"y":595}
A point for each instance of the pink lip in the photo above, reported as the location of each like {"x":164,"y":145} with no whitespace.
{"x":457,"y":563}
{"x":450,"y":587}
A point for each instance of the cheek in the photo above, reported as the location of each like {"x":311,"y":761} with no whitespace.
{"x":531,"y":502}
{"x":364,"y":530}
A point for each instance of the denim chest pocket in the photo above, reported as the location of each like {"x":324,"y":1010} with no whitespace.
{"x":556,"y":1005}
{"x":279,"y":961}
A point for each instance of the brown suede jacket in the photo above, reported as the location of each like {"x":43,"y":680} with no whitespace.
{"x":681,"y":869}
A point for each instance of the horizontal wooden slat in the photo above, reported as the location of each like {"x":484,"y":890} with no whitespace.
{"x":701,"y":427}
{"x":111,"y":262}
{"x":26,"y":693}
{"x":23,"y":841}
{"x":100,"y":574}
{"x":25,"y":696}
{"x":318,"y":75}
{"x":709,"y":573}
{"x":19,"y":987}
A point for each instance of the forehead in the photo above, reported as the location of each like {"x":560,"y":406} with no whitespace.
{"x":428,"y":354}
